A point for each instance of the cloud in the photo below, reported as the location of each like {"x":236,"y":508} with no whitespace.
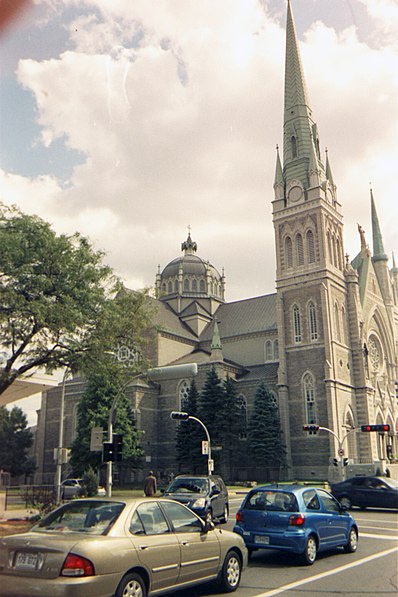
{"x":177,"y":108}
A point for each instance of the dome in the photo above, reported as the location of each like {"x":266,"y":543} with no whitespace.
{"x":190,"y":275}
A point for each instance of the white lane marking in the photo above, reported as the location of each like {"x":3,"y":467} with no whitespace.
{"x":367,"y":526}
{"x":373,"y":536}
{"x":304,"y":581}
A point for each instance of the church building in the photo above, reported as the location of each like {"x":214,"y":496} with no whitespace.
{"x":325,"y":343}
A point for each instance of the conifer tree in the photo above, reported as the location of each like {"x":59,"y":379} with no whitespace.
{"x":189,"y":436}
{"x":234,"y":422}
{"x":265,"y":446}
{"x":212,"y":411}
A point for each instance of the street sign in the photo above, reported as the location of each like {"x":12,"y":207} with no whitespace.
{"x":205,"y":447}
{"x":211,"y":465}
{"x":96,"y":439}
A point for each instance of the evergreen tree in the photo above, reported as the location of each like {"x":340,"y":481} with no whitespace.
{"x":265,"y":446}
{"x":190,"y":435}
{"x":212,"y":411}
{"x":235,"y":428}
{"x":15,"y":441}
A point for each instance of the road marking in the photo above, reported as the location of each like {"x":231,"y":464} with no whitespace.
{"x":366,"y":526}
{"x":304,"y":581}
{"x":372,"y":536}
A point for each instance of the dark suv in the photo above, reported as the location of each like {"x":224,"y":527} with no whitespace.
{"x":207,"y":496}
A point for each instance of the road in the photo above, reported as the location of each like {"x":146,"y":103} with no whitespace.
{"x":371,"y":571}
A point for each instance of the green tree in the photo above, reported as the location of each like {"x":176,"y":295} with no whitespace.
{"x":235,"y":428}
{"x":58,"y":300}
{"x":189,"y":436}
{"x":15,"y":441}
{"x":93,"y":411}
{"x":265,"y":446}
{"x":212,"y":411}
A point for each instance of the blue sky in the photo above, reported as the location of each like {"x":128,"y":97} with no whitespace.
{"x":129,"y":120}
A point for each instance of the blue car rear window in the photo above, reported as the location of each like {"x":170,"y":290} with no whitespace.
{"x":279,"y":501}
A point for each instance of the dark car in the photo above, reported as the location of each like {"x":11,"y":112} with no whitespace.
{"x":207,"y":496}
{"x":374,"y":492}
{"x":297,"y":519}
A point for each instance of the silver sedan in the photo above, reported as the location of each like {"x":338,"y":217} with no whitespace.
{"x":128,"y":548}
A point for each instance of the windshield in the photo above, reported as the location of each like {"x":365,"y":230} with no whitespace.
{"x":188,"y":485}
{"x":95,"y":517}
{"x":391,"y":482}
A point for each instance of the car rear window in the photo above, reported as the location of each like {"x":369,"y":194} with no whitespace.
{"x":94,"y":517}
{"x":279,"y":501}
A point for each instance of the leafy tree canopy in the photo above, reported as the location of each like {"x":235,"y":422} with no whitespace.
{"x":15,"y":441}
{"x":60,"y":305}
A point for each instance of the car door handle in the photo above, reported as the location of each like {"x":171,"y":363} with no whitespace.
{"x":144,"y":547}
{"x":184,"y":542}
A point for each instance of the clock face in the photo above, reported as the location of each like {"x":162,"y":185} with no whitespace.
{"x":295,"y":193}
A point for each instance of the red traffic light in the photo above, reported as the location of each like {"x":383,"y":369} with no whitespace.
{"x":379,"y":428}
{"x":178,"y":415}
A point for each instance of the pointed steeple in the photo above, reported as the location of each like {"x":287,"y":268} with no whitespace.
{"x":378,"y":248}
{"x":329,"y":174}
{"x":216,"y":346}
{"x":278,"y":181}
{"x":301,"y":153}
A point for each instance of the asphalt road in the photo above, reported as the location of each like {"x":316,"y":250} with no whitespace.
{"x":371,"y":571}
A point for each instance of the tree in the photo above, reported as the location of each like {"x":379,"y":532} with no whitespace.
{"x":58,"y":300}
{"x":265,"y":446}
{"x":15,"y":441}
{"x":212,"y":411}
{"x":235,"y":428}
{"x":93,"y":411}
{"x":189,"y":436}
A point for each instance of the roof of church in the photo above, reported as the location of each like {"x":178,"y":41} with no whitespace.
{"x":169,"y":321}
{"x":244,"y":317}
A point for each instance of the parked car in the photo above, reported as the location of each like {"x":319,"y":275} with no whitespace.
{"x":96,"y":547}
{"x":207,"y":496}
{"x":71,"y":488}
{"x":297,"y":519}
{"x":376,"y":492}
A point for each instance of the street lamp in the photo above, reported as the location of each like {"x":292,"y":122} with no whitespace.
{"x":183,"y":416}
{"x":58,"y":474}
{"x":157,"y":374}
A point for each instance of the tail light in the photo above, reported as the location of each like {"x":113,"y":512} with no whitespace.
{"x":297,"y":520}
{"x":77,"y":566}
{"x":239,"y":517}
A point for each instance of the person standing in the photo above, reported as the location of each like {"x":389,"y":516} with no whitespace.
{"x":150,"y":484}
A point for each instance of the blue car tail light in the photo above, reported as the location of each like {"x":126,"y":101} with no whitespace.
{"x":296,"y":520}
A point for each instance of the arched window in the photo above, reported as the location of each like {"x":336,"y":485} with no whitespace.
{"x":176,"y":286}
{"x":300,"y":249}
{"x":202,"y":286}
{"x":242,"y":407}
{"x":296,"y":324}
{"x":309,"y":398}
{"x":334,"y":261}
{"x":310,"y":247}
{"x":276,"y":350}
{"x":312,"y":321}
{"x":338,"y":251}
{"x":337,"y":321}
{"x":186,"y":284}
{"x":194,"y":285}
{"x":164,"y":287}
{"x":183,"y":393}
{"x":294,"y":146}
{"x":344,"y":320}
{"x":170,"y":287}
{"x":268,"y":350}
{"x":288,"y":252}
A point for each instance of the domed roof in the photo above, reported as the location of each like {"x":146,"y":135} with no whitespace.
{"x":189,"y":263}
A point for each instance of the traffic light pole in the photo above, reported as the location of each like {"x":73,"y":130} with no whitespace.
{"x":183,"y":416}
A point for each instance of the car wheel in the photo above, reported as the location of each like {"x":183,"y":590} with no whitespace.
{"x":352,"y":543}
{"x":308,"y":557}
{"x":345,"y":501}
{"x":131,"y":585}
{"x":230,"y":573}
{"x":209,"y":515}
{"x":224,"y":517}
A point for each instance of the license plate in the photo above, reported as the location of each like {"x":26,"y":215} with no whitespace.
{"x":26,"y":560}
{"x":261,"y":539}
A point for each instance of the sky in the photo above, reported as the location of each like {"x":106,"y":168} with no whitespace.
{"x":130,"y":120}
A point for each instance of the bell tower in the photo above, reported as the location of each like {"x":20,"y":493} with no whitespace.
{"x":315,"y":367}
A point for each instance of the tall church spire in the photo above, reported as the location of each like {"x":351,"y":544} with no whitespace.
{"x":378,"y":248}
{"x":301,"y":141}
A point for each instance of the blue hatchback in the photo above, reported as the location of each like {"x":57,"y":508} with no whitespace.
{"x":295,"y":518}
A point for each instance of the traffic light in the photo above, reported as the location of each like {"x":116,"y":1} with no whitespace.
{"x":107,"y":452}
{"x":379,"y":428}
{"x":117,"y":447}
{"x":311,"y":428}
{"x":179,"y":416}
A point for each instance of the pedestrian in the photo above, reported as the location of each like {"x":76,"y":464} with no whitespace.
{"x":150,"y":484}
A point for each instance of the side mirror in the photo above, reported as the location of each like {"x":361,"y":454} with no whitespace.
{"x":215,"y":491}
{"x":208,"y":525}
{"x":343,"y":508}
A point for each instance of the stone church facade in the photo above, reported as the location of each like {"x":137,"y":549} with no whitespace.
{"x":325,"y":343}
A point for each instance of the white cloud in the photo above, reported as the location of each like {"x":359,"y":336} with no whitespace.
{"x":177,"y":107}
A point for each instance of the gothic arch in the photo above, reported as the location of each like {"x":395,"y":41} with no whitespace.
{"x":299,"y":245}
{"x":309,"y":397}
{"x":352,"y":440}
{"x":312,"y":321}
{"x":288,"y":252}
{"x":296,"y":323}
